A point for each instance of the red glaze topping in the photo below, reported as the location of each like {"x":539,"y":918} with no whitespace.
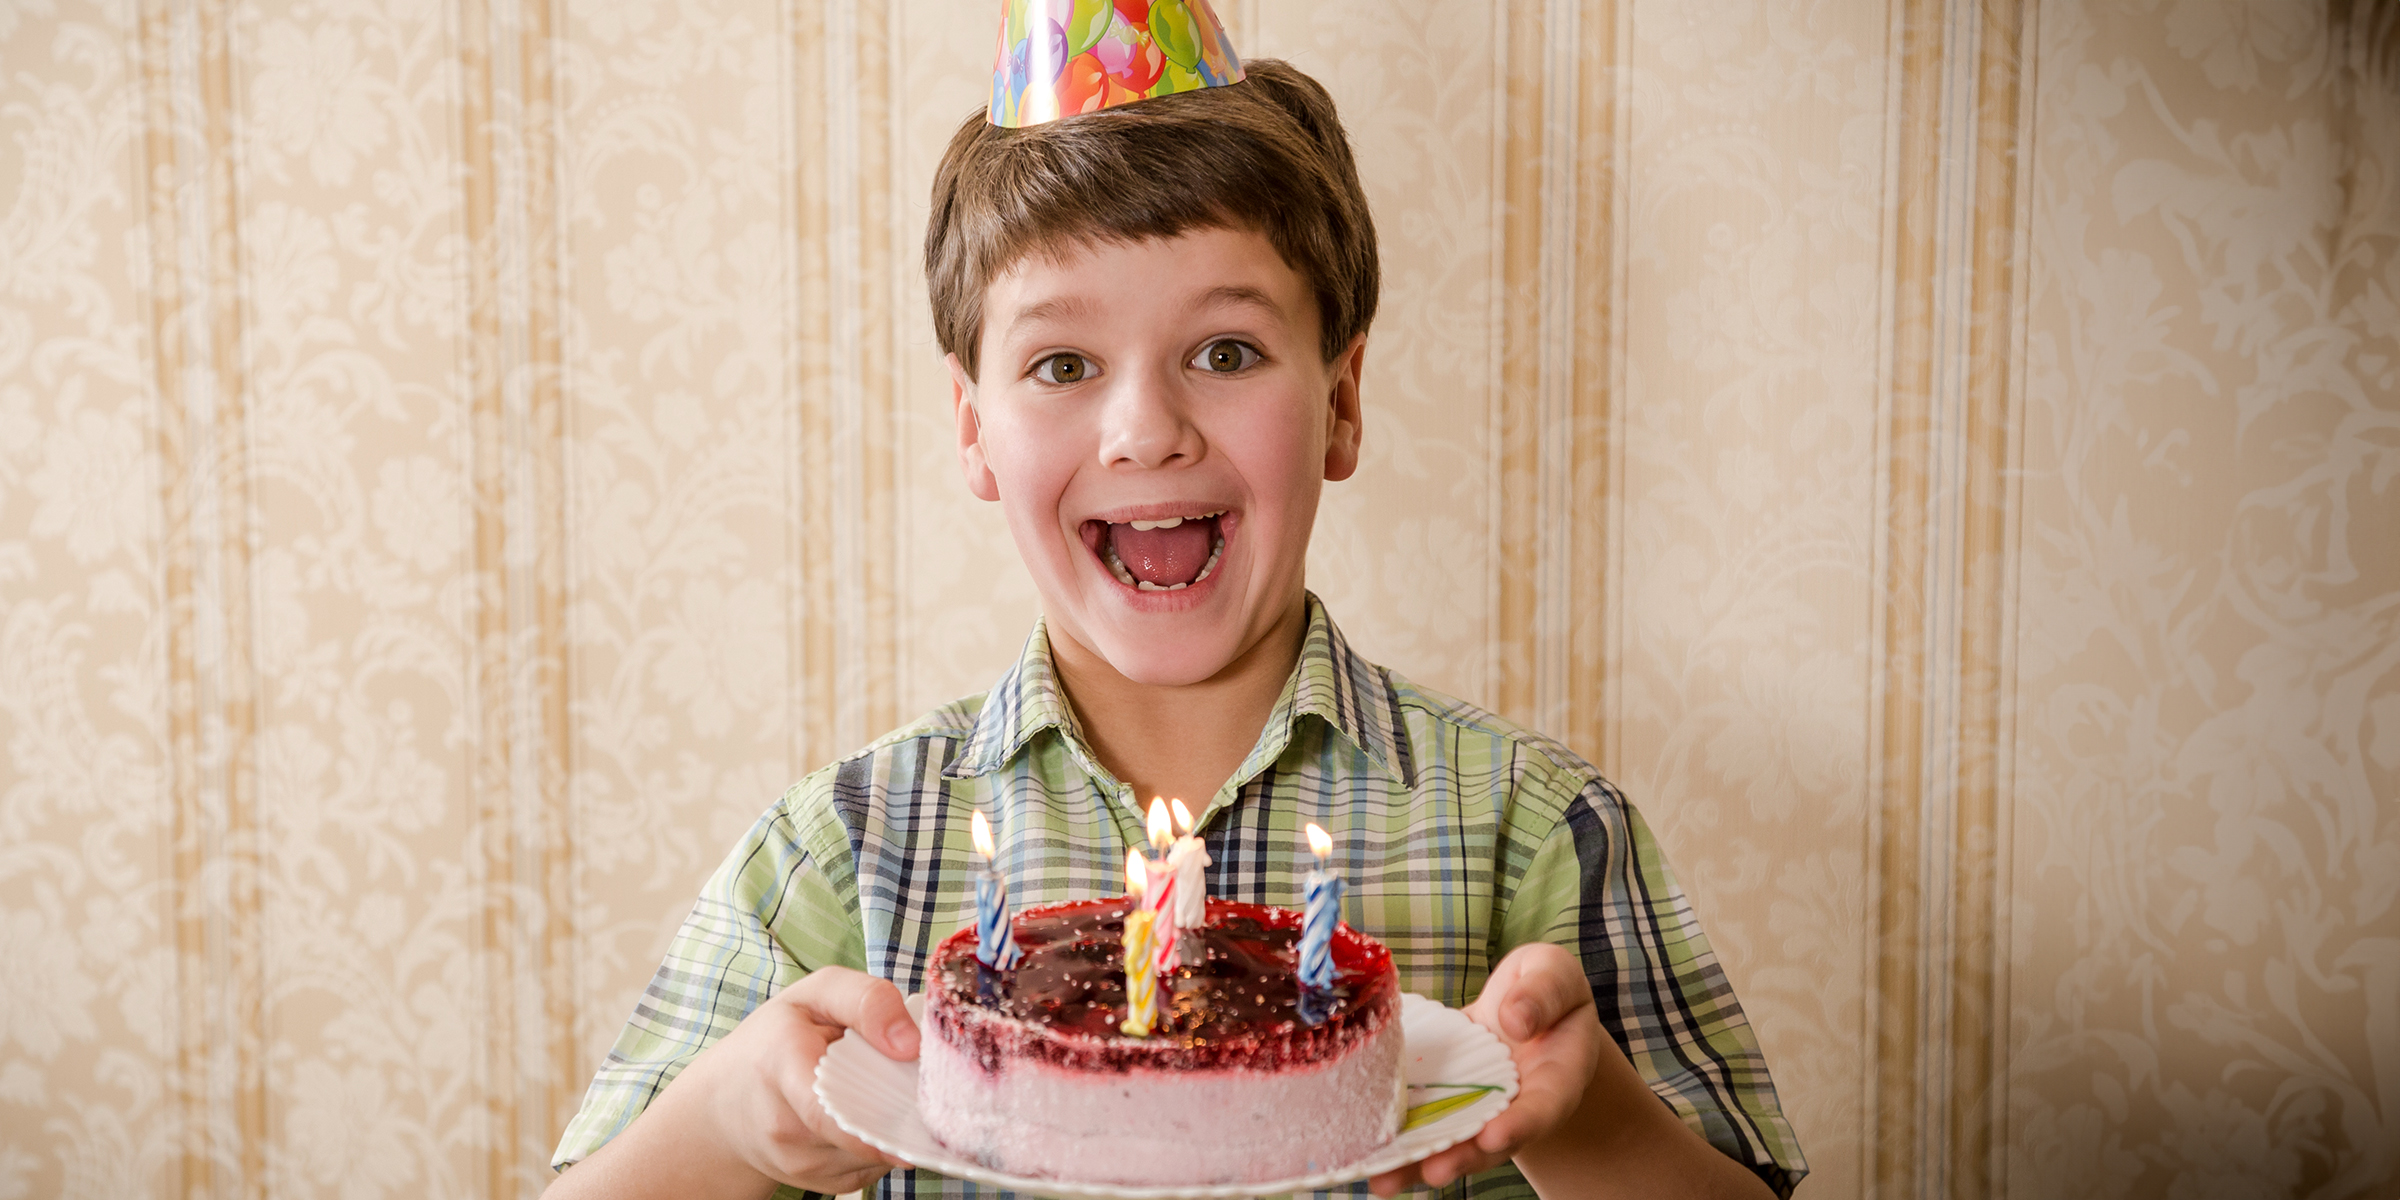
{"x":1237,"y":1007}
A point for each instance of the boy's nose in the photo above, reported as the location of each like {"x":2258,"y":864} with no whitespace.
{"x":1146,"y":424}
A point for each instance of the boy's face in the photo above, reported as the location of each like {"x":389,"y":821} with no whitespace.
{"x":1178,"y":381}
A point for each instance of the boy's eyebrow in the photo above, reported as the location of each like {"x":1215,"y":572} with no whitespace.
{"x":1052,"y":309}
{"x":1239,"y":295}
{"x":1226,"y":295}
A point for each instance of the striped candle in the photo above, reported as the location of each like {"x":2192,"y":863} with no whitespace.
{"x":1160,"y":898}
{"x":1321,"y":910}
{"x":1164,"y":935}
{"x":995,"y":935}
{"x":1141,"y":973}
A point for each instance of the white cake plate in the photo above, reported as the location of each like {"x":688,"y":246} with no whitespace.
{"x":874,"y":1099}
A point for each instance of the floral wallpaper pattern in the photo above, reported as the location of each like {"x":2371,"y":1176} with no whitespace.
{"x":2206,"y":956}
{"x":460,"y":459}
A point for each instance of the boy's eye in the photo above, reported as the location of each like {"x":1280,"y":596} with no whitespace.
{"x":1063,"y":368}
{"x":1225,"y":356}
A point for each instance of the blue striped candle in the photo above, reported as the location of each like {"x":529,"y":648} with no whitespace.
{"x":1320,"y":911}
{"x":995,"y":936}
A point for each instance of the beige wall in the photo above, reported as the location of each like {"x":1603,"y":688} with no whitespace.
{"x":2207,"y":749}
{"x":458,"y":461}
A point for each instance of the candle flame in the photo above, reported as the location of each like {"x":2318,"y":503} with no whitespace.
{"x":1160,"y":832}
{"x":983,"y":836}
{"x":1137,"y":874}
{"x":1319,"y":841}
{"x":1183,"y":816}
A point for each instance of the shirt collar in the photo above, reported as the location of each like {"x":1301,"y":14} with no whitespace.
{"x":1027,"y":700}
{"x":1330,"y":682}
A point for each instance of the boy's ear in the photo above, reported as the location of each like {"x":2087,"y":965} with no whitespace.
{"x":1343,"y":413}
{"x":971,"y":460}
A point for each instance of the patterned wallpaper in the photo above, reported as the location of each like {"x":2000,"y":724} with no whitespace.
{"x":459,"y":459}
{"x":2205,"y":996}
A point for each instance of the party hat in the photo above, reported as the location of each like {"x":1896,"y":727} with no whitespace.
{"x":1060,"y":57}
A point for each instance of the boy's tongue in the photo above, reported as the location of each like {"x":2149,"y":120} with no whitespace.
{"x":1165,"y":557}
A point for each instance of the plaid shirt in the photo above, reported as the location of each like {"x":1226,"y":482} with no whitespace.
{"x":1461,"y":837}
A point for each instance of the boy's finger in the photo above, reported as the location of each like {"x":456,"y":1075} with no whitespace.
{"x":1541,"y":983}
{"x":1524,"y":1119}
{"x":1457,"y":1163}
{"x":797,"y":1080}
{"x":1552,"y":1073}
{"x":867,"y":1163}
{"x":821,"y":1123}
{"x":859,"y":1001}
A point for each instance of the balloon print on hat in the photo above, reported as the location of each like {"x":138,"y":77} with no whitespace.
{"x":1057,"y":58}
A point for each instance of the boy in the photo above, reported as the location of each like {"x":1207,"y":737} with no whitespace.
{"x":1156,"y":317}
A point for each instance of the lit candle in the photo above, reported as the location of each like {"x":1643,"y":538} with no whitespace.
{"x":1161,"y":897}
{"x":1323,"y":908}
{"x":1141,"y":978}
{"x":995,"y":934}
{"x":1189,"y":861}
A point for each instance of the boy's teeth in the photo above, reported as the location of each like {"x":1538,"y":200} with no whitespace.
{"x":1108,"y":555}
{"x":1172,"y":522}
{"x":1215,"y":552}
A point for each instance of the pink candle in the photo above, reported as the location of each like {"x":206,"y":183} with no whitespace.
{"x":1160,"y":896}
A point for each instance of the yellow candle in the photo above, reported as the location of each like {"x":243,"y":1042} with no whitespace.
{"x":1141,"y":980}
{"x":1141,"y":976}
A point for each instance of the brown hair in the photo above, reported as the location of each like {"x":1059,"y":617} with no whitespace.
{"x":1266,"y":154}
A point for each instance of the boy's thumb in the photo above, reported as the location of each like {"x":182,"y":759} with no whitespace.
{"x":858,"y":1001}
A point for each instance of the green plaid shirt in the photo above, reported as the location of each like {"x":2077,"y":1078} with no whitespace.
{"x":1461,"y":837}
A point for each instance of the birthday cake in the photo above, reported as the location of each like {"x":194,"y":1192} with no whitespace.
{"x":1029,"y":1071}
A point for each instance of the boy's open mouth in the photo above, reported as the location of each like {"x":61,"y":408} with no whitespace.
{"x":1165,"y":555}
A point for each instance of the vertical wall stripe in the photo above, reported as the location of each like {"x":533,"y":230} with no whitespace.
{"x":1935,"y":1011}
{"x":516,"y":430}
{"x":887,"y":226}
{"x":538,"y":599}
{"x":235,"y":535}
{"x":2020,"y":30}
{"x":845,"y":398}
{"x":192,"y":189}
{"x":487,"y":632}
{"x":849,"y":253}
{"x":1558,"y":272}
{"x":1895,"y":1125}
{"x":1994,"y":351}
{"x":169,"y":350}
{"x":811,"y":419}
{"x":1585,"y":592}
{"x":861,"y":366}
{"x":1516,"y":401}
{"x":1554,"y":385}
{"x":549,"y":678}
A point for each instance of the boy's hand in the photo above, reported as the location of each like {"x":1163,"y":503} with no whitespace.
{"x":744,"y":1117}
{"x":765,"y":1096}
{"x":1540,"y":1005}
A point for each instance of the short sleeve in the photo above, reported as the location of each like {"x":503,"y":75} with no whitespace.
{"x":1599,"y":886}
{"x":768,"y":916}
